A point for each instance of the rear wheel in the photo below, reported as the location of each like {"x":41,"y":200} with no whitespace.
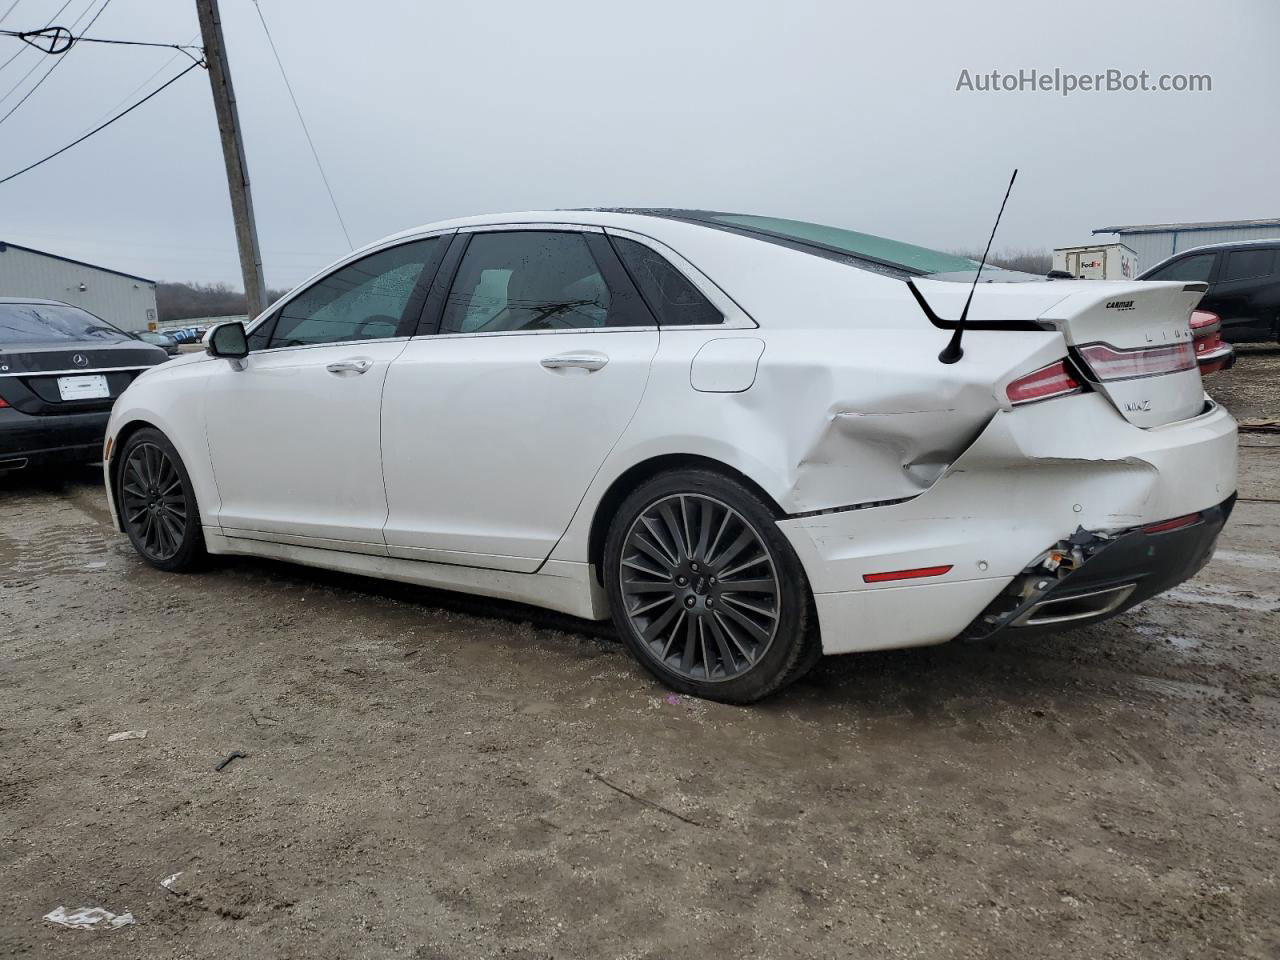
{"x":706,"y":591}
{"x":157,"y":504}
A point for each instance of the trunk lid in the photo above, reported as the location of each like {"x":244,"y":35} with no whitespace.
{"x":1131,"y":339}
{"x":30,"y":373}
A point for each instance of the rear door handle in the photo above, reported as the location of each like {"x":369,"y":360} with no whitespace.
{"x":585,"y":361}
{"x":355,"y":365}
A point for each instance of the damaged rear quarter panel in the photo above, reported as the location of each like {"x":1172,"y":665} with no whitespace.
{"x":877,"y":417}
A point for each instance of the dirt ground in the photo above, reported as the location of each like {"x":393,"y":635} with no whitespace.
{"x":437,"y":777}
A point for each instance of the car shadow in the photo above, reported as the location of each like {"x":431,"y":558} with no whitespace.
{"x":57,"y":480}
{"x":921,"y":683}
{"x":416,"y":595}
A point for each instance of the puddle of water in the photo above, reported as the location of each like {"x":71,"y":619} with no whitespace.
{"x":1181,"y":643}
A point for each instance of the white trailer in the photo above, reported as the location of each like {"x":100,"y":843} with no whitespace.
{"x":1097,"y":261}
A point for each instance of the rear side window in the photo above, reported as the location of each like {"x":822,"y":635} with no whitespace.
{"x":1195,"y":268}
{"x":531,"y":280}
{"x":674,"y":300}
{"x":1245,"y":264}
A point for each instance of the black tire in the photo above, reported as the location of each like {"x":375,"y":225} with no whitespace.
{"x":157,"y":504}
{"x":694,"y":559}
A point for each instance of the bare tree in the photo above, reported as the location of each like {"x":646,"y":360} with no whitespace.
{"x":1027,"y":260}
{"x":181,"y":301}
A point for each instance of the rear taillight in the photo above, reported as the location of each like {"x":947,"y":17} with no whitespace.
{"x":2,"y":402}
{"x":1055,"y":380}
{"x":1212,"y":354}
{"x":1111,"y":363}
{"x":1204,"y":323}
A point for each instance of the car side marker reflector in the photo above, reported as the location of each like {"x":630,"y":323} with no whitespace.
{"x":1177,"y":523}
{"x":913,"y":574}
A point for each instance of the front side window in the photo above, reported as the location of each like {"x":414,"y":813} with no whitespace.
{"x":674,"y":300}
{"x":1244,"y":264}
{"x":365,"y":300}
{"x":1196,"y":269}
{"x":530,"y":280}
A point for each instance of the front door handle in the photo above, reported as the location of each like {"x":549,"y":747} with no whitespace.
{"x":584,"y":361}
{"x":356,"y":365}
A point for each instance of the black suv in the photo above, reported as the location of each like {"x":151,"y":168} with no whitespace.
{"x":61,"y":368}
{"x":1244,"y":285}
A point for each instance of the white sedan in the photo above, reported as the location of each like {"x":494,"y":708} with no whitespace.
{"x":732,"y":434}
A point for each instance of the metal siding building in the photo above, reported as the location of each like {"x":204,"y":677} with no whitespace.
{"x":120,"y":298}
{"x":1153,"y":242}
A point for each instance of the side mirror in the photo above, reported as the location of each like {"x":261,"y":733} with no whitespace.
{"x":227,"y":340}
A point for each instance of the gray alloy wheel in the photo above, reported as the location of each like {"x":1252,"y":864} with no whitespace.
{"x":153,"y":502}
{"x":156,"y":502}
{"x":700,"y":587}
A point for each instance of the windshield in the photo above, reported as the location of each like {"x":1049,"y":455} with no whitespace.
{"x":53,"y":323}
{"x":821,"y":239}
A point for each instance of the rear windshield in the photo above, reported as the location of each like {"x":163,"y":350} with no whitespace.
{"x":818,"y":238}
{"x":53,"y":323}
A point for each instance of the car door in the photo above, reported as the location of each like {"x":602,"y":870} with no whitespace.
{"x":496,"y":419}
{"x":293,"y":429}
{"x":1240,"y":294}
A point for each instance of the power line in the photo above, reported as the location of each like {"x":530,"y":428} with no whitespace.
{"x":181,"y":51}
{"x":5,"y":16}
{"x":22,"y":49}
{"x":54,"y":67}
{"x":298,"y":111}
{"x":36,"y":66}
{"x":103,"y":126}
{"x":61,"y":40}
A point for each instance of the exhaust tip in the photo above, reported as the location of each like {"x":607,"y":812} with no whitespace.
{"x":1080,"y":606}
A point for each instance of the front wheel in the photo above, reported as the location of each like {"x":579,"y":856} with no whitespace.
{"x":157,"y":504}
{"x":706,"y":591}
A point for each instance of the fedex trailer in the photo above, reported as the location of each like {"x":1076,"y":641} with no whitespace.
{"x":1097,"y":261}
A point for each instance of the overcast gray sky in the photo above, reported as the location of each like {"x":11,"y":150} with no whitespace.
{"x":840,"y":112}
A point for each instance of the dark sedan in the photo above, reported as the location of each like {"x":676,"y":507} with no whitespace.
{"x":61,"y":368}
{"x":161,"y":340}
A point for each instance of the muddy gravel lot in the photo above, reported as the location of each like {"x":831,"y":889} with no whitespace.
{"x":432,"y":776}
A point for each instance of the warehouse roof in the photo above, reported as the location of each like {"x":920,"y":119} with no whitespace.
{"x":1183,"y":227}
{"x":4,"y":245}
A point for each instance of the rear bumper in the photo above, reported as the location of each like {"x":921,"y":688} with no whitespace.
{"x":1033,"y":478}
{"x":30,"y":441}
{"x":1116,"y":573}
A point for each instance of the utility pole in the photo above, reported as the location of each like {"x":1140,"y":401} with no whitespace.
{"x":224,"y":103}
